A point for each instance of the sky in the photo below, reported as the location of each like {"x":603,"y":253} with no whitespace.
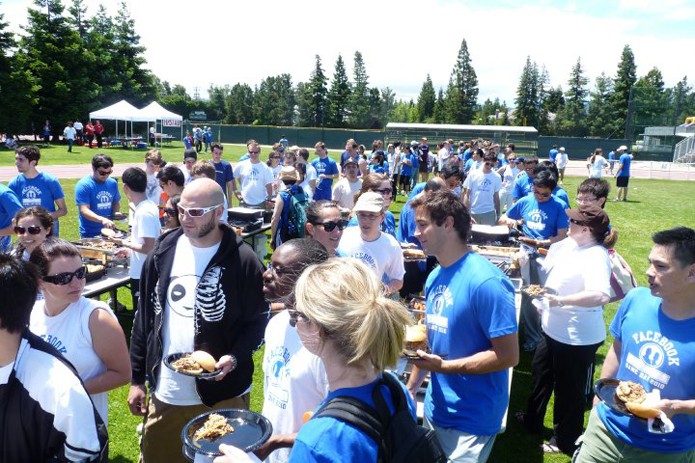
{"x":224,"y":42}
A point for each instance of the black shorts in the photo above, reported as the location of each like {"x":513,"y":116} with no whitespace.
{"x":622,"y":181}
{"x":405,"y":180}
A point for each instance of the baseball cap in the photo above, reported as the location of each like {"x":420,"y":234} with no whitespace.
{"x":413,"y":143}
{"x":590,"y":216}
{"x":520,"y":159}
{"x":350,"y":160}
{"x":622,"y":148}
{"x":562,"y":148}
{"x":369,"y":202}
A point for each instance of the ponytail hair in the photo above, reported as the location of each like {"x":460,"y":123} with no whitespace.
{"x":352,"y":312}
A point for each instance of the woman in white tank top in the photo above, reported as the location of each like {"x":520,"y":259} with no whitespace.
{"x":85,"y":331}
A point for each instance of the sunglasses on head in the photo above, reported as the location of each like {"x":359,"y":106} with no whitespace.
{"x":66,"y":277}
{"x":33,"y":230}
{"x":197,"y":211}
{"x":330,"y":226}
{"x":294,"y":316}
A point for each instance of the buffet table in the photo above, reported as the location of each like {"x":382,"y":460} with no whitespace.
{"x":116,"y":277}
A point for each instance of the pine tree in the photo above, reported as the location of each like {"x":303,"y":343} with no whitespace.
{"x":527,"y":101}
{"x":275,"y":100}
{"x":359,"y":99}
{"x":572,"y":119}
{"x":439,"y":114}
{"x":650,"y":100}
{"x":625,"y":78}
{"x":426,"y":100}
{"x":338,"y":96}
{"x":313,"y":104}
{"x":599,"y":115}
{"x":462,"y":92}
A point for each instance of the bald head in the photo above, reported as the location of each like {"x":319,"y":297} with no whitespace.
{"x":202,"y":192}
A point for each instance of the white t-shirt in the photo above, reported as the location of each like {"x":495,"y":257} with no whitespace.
{"x":294,"y":380}
{"x":145,"y":224}
{"x":383,"y":255}
{"x":572,"y":269}
{"x":177,"y":329}
{"x":344,"y":192}
{"x":310,"y":175}
{"x":443,"y":156}
{"x":69,"y":333}
{"x":154,"y":191}
{"x":561,"y":159}
{"x":509,"y":175}
{"x":482,"y":188}
{"x":69,"y":133}
{"x":253,"y":179}
{"x":597,"y":167}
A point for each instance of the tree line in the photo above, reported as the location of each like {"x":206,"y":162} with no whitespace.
{"x":67,"y":63}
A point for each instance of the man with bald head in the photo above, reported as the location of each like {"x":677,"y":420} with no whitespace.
{"x":201,"y":288}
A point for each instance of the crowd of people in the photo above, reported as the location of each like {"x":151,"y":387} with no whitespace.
{"x":329,"y":305}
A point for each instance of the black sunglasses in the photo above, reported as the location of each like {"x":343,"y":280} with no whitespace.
{"x":384,"y":191}
{"x":330,"y":226}
{"x":33,"y":230}
{"x":171,"y":212}
{"x":294,"y":316}
{"x":66,"y":277}
{"x":542,"y":195}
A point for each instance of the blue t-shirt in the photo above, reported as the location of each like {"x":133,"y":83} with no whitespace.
{"x":407,"y":170}
{"x":405,"y":232}
{"x":100,"y":198}
{"x":325,"y":166}
{"x":207,"y":136}
{"x":388,"y":226}
{"x":625,"y":160}
{"x":541,"y":220}
{"x":9,"y":206}
{"x":523,"y":185}
{"x":417,"y":189}
{"x":468,"y":303}
{"x":188,"y":142}
{"x":467,"y":154}
{"x":552,"y":154}
{"x":327,"y":439}
{"x":561,"y":194}
{"x":42,"y":190}
{"x":223,"y":174}
{"x":611,"y":156}
{"x":658,"y":353}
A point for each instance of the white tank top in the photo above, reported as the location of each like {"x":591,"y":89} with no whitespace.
{"x":69,"y":333}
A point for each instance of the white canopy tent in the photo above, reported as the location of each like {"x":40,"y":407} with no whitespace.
{"x":154,"y":112}
{"x":121,"y":111}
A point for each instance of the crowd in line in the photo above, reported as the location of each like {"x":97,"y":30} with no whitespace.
{"x":336,"y":288}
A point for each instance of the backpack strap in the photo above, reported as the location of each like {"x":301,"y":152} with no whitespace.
{"x":356,"y":413}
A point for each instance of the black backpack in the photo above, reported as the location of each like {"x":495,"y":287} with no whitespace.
{"x":400,"y":438}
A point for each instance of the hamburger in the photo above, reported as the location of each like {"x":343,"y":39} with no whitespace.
{"x":195,"y":363}
{"x":633,"y":395}
{"x":206,"y":361}
{"x":415,"y":339}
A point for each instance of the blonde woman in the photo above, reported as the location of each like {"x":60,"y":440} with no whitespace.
{"x":357,"y":333}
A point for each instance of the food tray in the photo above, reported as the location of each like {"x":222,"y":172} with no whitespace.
{"x":92,"y":251}
{"x":251,"y":430}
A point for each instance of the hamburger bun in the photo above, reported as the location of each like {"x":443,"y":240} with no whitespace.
{"x":643,"y":411}
{"x":108,"y":233}
{"x":416,"y":338}
{"x":414,"y":254}
{"x":205,"y":360}
{"x":628,"y":391}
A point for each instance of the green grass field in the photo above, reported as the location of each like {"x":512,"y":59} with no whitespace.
{"x":654,"y":205}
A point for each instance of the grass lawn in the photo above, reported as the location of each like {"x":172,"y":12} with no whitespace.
{"x":654,"y":205}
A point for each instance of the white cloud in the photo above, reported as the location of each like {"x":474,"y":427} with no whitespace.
{"x":224,"y":42}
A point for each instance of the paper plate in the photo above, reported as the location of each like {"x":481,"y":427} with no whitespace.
{"x":251,"y":430}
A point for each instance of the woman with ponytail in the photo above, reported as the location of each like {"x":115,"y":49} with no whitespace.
{"x":577,"y":287}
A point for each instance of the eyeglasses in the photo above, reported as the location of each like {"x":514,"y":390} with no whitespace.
{"x":488,"y":164}
{"x":254,"y":151}
{"x":384,"y":191}
{"x":197,"y":211}
{"x":368,"y":215}
{"x":33,"y":230}
{"x":585,"y":199}
{"x":104,"y":173}
{"x":542,"y":195}
{"x":65,"y":278}
{"x":294,"y":316}
{"x":330,"y":226}
{"x":171,"y":212}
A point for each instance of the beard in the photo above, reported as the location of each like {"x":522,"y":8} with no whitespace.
{"x":205,"y":229}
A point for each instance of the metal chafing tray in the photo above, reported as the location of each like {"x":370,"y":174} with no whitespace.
{"x":90,"y":249}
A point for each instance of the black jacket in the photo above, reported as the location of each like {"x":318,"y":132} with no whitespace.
{"x":230,"y":313}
